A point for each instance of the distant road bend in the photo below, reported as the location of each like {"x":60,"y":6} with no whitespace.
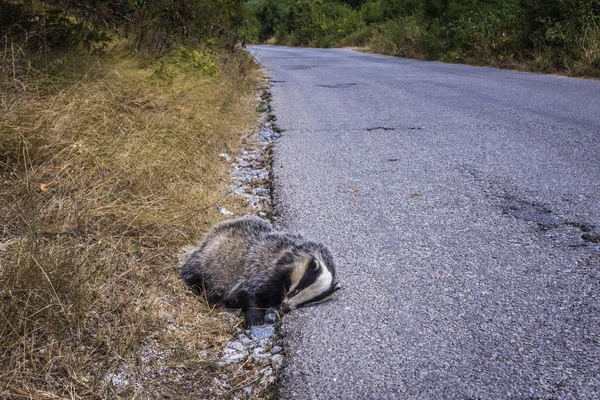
{"x":462,"y":205}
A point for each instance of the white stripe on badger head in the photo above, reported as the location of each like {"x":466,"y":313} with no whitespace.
{"x":321,"y":285}
{"x":323,"y":300}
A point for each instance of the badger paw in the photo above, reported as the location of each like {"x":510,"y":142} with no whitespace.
{"x":254,"y":317}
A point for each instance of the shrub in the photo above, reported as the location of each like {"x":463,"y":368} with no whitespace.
{"x":400,"y":36}
{"x":537,"y":34}
{"x":488,"y":34}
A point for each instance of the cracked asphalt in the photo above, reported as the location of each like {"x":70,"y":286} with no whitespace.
{"x":462,"y":205}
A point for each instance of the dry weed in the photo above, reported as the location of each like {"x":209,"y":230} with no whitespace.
{"x":108,"y":166}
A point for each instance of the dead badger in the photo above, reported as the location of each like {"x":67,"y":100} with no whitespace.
{"x":245,"y":263}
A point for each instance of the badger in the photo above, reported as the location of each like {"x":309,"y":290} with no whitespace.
{"x":246,"y":264}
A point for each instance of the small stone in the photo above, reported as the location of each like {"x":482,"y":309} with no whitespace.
{"x":229,"y":352}
{"x":276,"y":350}
{"x":253,"y":199}
{"x":266,"y":134}
{"x":263,"y":106}
{"x":242,"y":163}
{"x":240,"y":190}
{"x":268,"y":377}
{"x":264,"y":342}
{"x":261,"y":331}
{"x":244,"y":339}
{"x":224,"y":211}
{"x":248,"y":389}
{"x":259,"y":354}
{"x":225,"y":156}
{"x":271,"y":315}
{"x":233,"y":358}
{"x":259,"y":173}
{"x":277,"y":362}
{"x":236,"y":346}
{"x":260,"y":192}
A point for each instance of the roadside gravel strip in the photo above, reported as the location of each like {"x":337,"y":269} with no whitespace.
{"x":252,"y":358}
{"x":462,"y":205}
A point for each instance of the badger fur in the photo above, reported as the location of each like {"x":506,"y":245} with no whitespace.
{"x":245,"y":263}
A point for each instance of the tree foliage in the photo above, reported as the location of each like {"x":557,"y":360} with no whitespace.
{"x":153,"y":25}
{"x":552,"y":34}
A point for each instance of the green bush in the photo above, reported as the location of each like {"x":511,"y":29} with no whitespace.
{"x":305,"y":22}
{"x":536,"y":34}
{"x":201,"y":60}
{"x":400,"y":36}
{"x":492,"y":34}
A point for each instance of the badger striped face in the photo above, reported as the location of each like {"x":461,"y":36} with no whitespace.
{"x":311,"y":283}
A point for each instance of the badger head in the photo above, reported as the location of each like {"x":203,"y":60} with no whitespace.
{"x":312,"y":281}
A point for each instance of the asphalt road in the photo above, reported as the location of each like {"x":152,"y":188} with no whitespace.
{"x":462,"y":205}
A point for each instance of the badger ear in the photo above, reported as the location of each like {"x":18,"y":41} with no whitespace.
{"x":314,"y":264}
{"x":336,"y":286}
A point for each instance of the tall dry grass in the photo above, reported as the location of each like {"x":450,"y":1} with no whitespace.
{"x":108,"y":165}
{"x":589,"y":45}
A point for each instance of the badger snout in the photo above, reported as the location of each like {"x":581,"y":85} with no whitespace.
{"x":285,"y":308}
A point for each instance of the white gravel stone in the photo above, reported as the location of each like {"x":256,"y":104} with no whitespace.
{"x":236,"y":346}
{"x":277,"y":361}
{"x":261,"y":331}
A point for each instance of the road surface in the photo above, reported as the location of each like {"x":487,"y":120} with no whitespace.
{"x":462,"y":205}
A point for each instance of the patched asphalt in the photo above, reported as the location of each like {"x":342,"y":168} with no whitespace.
{"x":462,"y":205}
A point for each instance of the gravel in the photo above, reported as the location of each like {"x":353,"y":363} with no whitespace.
{"x":251,"y":170}
{"x":261,"y":331}
{"x":253,"y":355}
{"x":256,"y":350}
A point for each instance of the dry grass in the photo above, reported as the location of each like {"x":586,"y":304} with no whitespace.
{"x":107,"y":168}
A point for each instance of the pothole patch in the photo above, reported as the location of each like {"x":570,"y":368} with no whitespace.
{"x":561,"y":231}
{"x":381,"y":128}
{"x":393,"y":128}
{"x":530,"y":212}
{"x":569,"y":232}
{"x":338,"y":85}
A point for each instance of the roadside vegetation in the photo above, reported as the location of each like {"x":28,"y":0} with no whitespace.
{"x":112,"y":118}
{"x":537,"y":35}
